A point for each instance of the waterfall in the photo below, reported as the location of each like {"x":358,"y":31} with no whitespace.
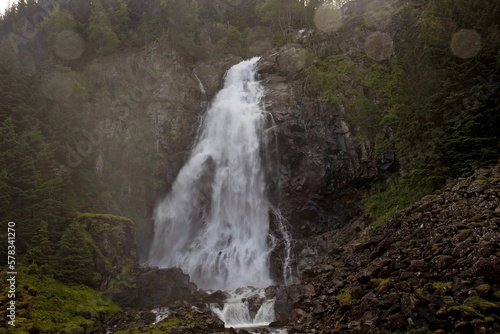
{"x":236,"y":311}
{"x":214,"y":224}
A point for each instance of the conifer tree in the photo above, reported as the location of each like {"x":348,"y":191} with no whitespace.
{"x":100,"y":32}
{"x":74,"y":262}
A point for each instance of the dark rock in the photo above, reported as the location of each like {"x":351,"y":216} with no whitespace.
{"x":211,"y":75}
{"x":291,"y":59}
{"x":477,"y":186}
{"x":488,"y":268}
{"x":153,"y":287}
{"x":419,"y":265}
{"x":216,"y":297}
{"x":405,"y":274}
{"x":443,"y":261}
{"x":282,"y":320}
{"x":407,"y":304}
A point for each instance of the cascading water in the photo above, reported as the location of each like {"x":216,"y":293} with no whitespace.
{"x":214,"y":224}
{"x":236,"y":312}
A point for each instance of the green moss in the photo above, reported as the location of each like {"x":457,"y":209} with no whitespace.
{"x":461,"y":325}
{"x":345,"y":297}
{"x":471,"y":308}
{"x":429,"y":198}
{"x":173,"y":323}
{"x":480,"y":303}
{"x":129,"y":266}
{"x":439,"y":285}
{"x":382,"y":282}
{"x":465,"y":310}
{"x":487,"y":320}
{"x":448,"y":300}
{"x":462,"y":233}
{"x":58,"y":307}
{"x":96,"y":250}
{"x":94,"y":217}
{"x":476,"y":218}
{"x":437,"y":246}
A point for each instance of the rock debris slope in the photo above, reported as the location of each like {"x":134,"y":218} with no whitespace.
{"x":435,"y":264}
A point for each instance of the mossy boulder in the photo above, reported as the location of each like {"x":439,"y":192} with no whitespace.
{"x":113,"y":246}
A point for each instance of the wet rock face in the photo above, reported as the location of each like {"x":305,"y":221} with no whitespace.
{"x":434,"y":265}
{"x":211,"y":75}
{"x":316,"y":164}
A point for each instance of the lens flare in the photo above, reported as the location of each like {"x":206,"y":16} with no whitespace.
{"x":378,"y":15}
{"x":379,"y":46}
{"x":327,"y":18}
{"x":466,"y":43}
{"x":69,"y":45}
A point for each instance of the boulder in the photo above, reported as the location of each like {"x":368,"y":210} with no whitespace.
{"x":154,"y":287}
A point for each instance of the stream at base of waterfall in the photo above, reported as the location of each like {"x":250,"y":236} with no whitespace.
{"x":214,"y":223}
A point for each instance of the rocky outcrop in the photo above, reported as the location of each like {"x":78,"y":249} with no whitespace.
{"x":434,"y":265}
{"x":113,"y":245}
{"x":317,"y":167}
{"x":154,"y":287}
{"x":211,"y":75}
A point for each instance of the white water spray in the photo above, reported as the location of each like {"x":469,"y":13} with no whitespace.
{"x":214,"y":224}
{"x":236,"y":311}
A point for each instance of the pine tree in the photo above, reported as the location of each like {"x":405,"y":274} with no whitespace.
{"x":74,"y":263}
{"x":32,"y":189}
{"x":40,"y":252}
{"x":100,"y":32}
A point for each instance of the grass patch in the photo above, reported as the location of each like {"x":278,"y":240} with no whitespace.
{"x":384,"y":203}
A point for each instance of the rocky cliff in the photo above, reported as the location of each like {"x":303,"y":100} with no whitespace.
{"x":317,"y":168}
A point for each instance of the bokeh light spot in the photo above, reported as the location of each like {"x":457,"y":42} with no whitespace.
{"x":68,"y":45}
{"x":57,"y":86}
{"x":379,"y":46}
{"x":466,"y":43}
{"x":378,"y":15}
{"x":327,"y":18}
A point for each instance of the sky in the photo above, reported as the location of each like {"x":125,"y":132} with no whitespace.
{"x":4,"y":4}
